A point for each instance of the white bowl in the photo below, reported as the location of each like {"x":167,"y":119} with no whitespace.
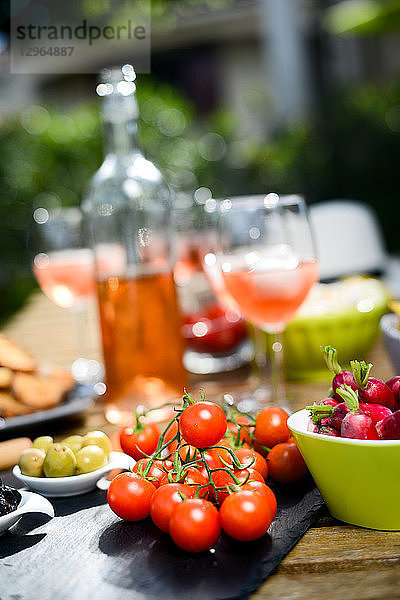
{"x":76,"y":484}
{"x":30,"y":503}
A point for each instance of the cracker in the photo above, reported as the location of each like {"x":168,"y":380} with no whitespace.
{"x":39,"y":393}
{"x":14,"y":357}
{"x":6,"y":377}
{"x":10,"y":407}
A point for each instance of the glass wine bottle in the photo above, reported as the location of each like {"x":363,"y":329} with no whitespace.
{"x":128,"y":210}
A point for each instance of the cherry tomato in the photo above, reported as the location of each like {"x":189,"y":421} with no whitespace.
{"x":285,"y":463}
{"x":212,"y":461}
{"x":193,"y":477}
{"x":156,"y":471}
{"x":223,"y":478}
{"x":244,"y":431}
{"x":260,"y":488}
{"x":245,"y":455}
{"x":246,"y":516}
{"x":203,"y":424}
{"x":140,"y":440}
{"x":220,"y":452}
{"x":194,"y":525}
{"x":187,"y":452}
{"x":164,"y":501}
{"x":271,"y":427}
{"x":129,"y":496}
{"x":171,"y":432}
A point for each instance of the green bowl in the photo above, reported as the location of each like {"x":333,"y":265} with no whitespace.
{"x":352,"y":331}
{"x":358,"y":479}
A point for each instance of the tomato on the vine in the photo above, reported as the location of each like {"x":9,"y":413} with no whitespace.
{"x":164,"y":501}
{"x":129,"y":496}
{"x":203,"y":424}
{"x":192,"y":477}
{"x":246,"y":455}
{"x":140,"y":440}
{"x":246,"y":516}
{"x":222,"y":452}
{"x":285,"y":463}
{"x":195,"y":525}
{"x":225,"y":478}
{"x":260,"y":488}
{"x":156,"y":471}
{"x":169,"y":433}
{"x":271,"y":426}
{"x":245,"y":432}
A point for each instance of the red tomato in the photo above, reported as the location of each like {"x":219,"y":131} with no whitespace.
{"x":245,"y":455}
{"x":129,"y":496}
{"x":194,"y":478}
{"x":141,"y":442}
{"x":285,"y":463}
{"x":246,"y":516}
{"x":203,"y":424}
{"x":171,"y":432}
{"x":261,"y":488}
{"x":194,"y":525}
{"x":212,"y":461}
{"x":164,"y":501}
{"x":271,"y":427}
{"x":244,"y":431}
{"x":187,"y":452}
{"x":220,"y":453}
{"x":223,"y":478}
{"x":156,"y":471}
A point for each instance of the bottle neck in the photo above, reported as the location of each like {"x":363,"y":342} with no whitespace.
{"x":120,"y":125}
{"x":120,"y":137}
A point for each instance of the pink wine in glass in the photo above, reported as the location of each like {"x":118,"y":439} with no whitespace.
{"x":270,"y":297}
{"x":66,"y":276}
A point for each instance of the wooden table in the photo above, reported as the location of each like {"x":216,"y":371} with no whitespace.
{"x":332,"y":560}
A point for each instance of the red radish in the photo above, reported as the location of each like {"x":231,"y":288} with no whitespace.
{"x":338,"y":415}
{"x":394,"y":385}
{"x":377,"y":412}
{"x":328,"y":401}
{"x":371,"y":389}
{"x":389,"y":428}
{"x":341,"y":377}
{"x":324,"y":429}
{"x":356,"y":424}
{"x":326,"y":415}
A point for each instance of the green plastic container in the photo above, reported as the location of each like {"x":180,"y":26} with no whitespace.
{"x":353,"y":333}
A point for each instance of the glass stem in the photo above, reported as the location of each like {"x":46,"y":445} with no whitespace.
{"x":79,"y":318}
{"x":260,"y":357}
{"x":277,"y":378}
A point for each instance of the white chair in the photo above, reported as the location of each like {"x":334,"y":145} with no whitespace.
{"x":348,"y":239}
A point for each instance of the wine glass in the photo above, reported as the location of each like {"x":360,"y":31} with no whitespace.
{"x":264,"y":260}
{"x":63,"y":266}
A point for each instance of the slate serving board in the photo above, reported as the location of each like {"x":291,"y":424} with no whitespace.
{"x":86,"y":552}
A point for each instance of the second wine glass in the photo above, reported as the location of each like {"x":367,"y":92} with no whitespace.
{"x":265,"y":257}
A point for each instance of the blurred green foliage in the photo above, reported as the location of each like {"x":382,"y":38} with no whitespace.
{"x":348,"y":149}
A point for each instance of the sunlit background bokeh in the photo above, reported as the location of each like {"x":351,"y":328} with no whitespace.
{"x":244,"y":96}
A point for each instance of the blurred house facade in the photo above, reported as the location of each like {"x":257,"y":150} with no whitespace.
{"x":248,"y":56}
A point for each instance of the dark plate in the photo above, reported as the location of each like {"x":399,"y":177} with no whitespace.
{"x":79,"y":398}
{"x":136,"y":560}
